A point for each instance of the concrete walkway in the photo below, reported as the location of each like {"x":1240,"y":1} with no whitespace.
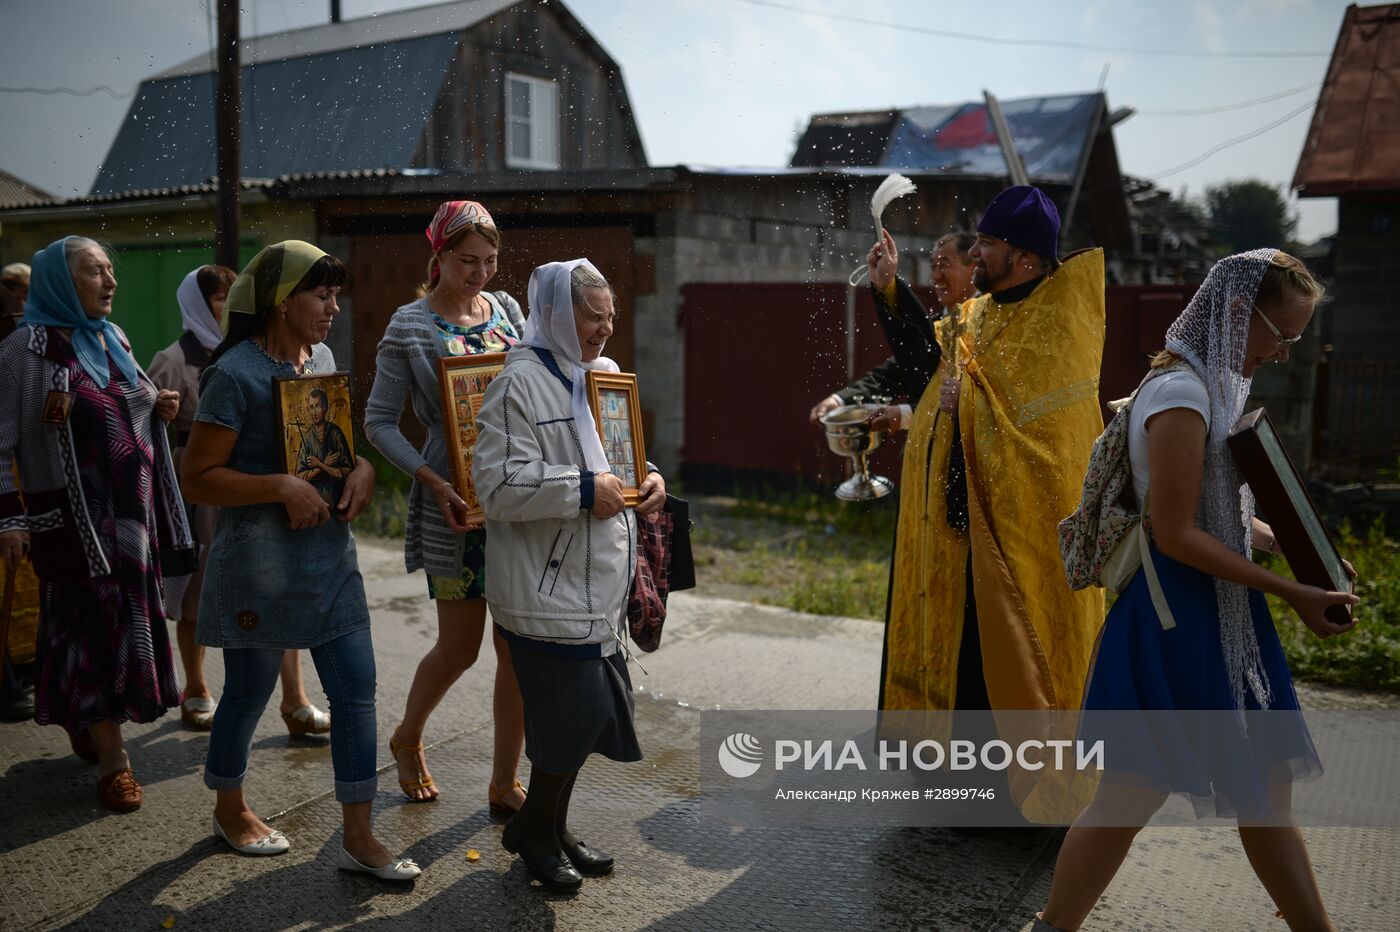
{"x":67,"y":863}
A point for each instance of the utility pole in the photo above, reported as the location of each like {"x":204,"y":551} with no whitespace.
{"x":228,"y":128}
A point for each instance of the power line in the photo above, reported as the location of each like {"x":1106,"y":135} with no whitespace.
{"x":1231,"y":142}
{"x":1054,"y":43}
{"x":73,"y":91}
{"x":1237,"y":106}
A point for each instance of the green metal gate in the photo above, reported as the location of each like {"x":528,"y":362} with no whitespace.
{"x":147,"y":276}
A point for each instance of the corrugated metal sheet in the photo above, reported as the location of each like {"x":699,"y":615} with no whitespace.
{"x":361,"y":31}
{"x":768,"y":314}
{"x":1354,"y":141}
{"x":358,"y":108}
{"x":16,"y":192}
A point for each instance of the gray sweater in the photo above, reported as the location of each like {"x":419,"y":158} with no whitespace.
{"x":406,"y":368}
{"x":64,"y":542}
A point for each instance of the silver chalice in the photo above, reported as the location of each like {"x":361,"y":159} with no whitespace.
{"x":848,"y":434}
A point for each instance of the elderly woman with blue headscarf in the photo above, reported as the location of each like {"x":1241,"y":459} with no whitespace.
{"x":562,"y":556}
{"x":101,"y":517}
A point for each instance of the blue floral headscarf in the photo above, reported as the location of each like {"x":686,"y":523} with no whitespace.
{"x":53,"y":302}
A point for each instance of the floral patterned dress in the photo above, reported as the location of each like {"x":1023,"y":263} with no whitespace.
{"x":494,"y":335}
{"x":103,"y":645}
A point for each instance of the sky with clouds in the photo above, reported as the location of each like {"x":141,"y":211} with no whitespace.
{"x":732,"y":82}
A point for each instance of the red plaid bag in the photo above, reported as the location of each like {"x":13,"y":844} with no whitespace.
{"x":646,"y":604}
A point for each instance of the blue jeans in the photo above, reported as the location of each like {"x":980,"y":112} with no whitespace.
{"x":346,"y":668}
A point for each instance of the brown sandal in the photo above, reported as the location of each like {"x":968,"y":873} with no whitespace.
{"x":500,"y":812}
{"x":119,"y":791}
{"x":424,"y":781}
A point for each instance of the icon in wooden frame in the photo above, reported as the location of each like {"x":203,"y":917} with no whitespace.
{"x":463,"y":381}
{"x":617,"y":411}
{"x":316,"y":441}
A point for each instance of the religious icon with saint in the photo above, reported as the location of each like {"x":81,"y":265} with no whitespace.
{"x":617,"y":410}
{"x":463,"y":380}
{"x":317,"y":440}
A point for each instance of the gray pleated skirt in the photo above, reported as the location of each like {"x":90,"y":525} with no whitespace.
{"x":574,"y":706}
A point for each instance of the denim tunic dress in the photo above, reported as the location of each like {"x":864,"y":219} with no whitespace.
{"x":266,"y":585}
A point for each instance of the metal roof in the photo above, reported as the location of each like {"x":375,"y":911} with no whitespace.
{"x":1354,"y":141}
{"x":431,"y":182}
{"x":16,"y":192}
{"x":351,"y":34}
{"x":348,"y":96}
{"x":840,"y":139}
{"x":351,"y":108}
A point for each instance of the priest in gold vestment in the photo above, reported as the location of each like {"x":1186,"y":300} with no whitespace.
{"x":980,"y":615}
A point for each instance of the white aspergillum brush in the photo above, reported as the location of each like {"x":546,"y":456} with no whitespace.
{"x":894,"y":186}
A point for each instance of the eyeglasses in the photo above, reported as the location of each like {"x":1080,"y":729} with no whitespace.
{"x":1282,"y":340}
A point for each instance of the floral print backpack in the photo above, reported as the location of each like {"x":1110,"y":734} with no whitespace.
{"x":1106,"y":541}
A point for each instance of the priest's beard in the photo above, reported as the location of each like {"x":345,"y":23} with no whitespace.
{"x":986,"y":281}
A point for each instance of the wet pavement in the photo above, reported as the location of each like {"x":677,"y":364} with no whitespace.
{"x":67,"y":863}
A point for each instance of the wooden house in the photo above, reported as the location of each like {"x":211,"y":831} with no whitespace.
{"x":1352,"y":153}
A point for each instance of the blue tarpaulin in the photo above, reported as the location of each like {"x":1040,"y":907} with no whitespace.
{"x":1050,"y":134}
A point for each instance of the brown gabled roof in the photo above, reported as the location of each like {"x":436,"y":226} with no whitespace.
{"x":1354,"y":141}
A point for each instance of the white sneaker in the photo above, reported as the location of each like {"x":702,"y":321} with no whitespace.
{"x":398,"y":869}
{"x":276,"y":843}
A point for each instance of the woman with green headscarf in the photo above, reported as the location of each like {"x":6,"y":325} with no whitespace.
{"x":282,"y":572}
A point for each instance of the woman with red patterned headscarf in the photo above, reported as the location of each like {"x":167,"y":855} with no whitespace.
{"x":454,"y":316}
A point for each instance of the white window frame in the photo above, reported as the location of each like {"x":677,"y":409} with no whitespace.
{"x":542,"y":123}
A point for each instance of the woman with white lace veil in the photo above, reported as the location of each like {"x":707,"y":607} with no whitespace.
{"x":1222,"y":653}
{"x":562,"y":555}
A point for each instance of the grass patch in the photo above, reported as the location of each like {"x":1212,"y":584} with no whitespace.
{"x":1368,"y":656}
{"x":856,"y":591}
{"x":801,"y":550}
{"x":813,"y":554}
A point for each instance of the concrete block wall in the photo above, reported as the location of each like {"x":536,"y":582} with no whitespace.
{"x":693,"y":247}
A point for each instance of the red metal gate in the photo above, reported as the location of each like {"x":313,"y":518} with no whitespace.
{"x":758,"y":356}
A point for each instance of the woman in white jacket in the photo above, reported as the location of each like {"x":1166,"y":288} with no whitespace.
{"x":562,"y":555}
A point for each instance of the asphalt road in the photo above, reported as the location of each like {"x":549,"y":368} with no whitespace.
{"x":67,"y":863}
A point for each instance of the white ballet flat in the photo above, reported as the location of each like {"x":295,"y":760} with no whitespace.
{"x":397,"y":869}
{"x":276,"y":843}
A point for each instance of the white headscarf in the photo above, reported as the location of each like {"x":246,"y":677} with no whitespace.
{"x":551,"y":327}
{"x":195,"y":312}
{"x":1211,"y":335}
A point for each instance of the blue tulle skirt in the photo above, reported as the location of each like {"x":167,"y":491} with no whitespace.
{"x":1161,"y":701}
